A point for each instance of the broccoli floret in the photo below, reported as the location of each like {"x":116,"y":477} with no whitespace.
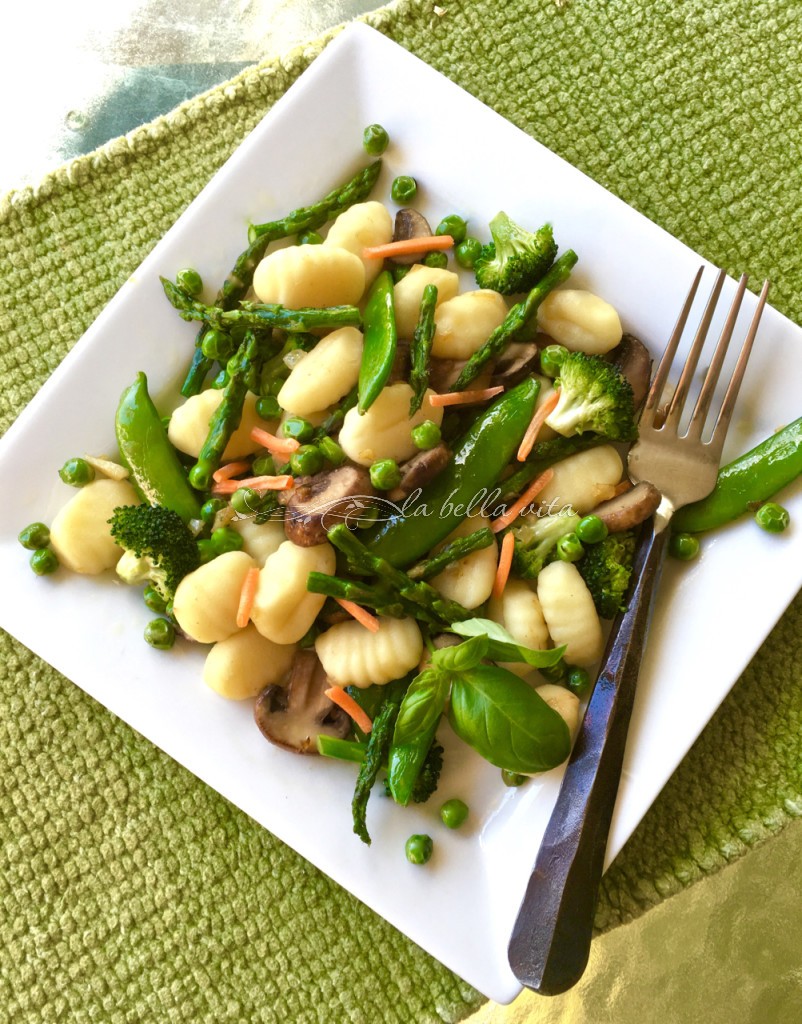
{"x":159,"y":548}
{"x":516,"y":259}
{"x":594,"y":396}
{"x":536,"y":538}
{"x":606,"y":568}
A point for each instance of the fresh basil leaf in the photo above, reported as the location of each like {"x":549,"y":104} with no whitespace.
{"x":461,"y":656}
{"x":422,"y":706}
{"x":505,"y":721}
{"x":501,"y":645}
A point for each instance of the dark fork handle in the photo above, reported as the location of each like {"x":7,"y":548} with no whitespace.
{"x":550,"y":942}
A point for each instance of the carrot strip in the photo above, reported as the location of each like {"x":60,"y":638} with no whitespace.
{"x":231,"y":469}
{"x":256,"y":483}
{"x":465,"y":397}
{"x":338,"y":696}
{"x":504,"y":565}
{"x":537,"y":422}
{"x":362,"y":617}
{"x":405,"y":246}
{"x":531,"y":492}
{"x":248,"y":596}
{"x":278,"y":445}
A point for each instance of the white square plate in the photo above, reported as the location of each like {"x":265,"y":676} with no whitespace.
{"x":710,"y":617}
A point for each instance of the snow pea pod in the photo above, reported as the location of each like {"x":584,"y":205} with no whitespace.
{"x":753,"y":477}
{"x":463,"y":486}
{"x":378,"y":352}
{"x":156,"y":472}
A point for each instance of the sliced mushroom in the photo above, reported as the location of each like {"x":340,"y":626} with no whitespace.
{"x":318,"y":503}
{"x":443,"y":373}
{"x":420,"y":470}
{"x":517,"y":361}
{"x":633,"y":360}
{"x":293,"y":716}
{"x":629,"y":509}
{"x":410,"y":224}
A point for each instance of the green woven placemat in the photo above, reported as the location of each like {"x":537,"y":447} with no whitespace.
{"x":131,"y":892}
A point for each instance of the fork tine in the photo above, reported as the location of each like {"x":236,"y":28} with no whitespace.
{"x":716,"y":442}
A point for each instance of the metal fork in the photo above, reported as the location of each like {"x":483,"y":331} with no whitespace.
{"x":550,"y":942}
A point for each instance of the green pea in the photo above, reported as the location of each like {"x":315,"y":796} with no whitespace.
{"x":557,"y":674}
{"x":453,"y":225}
{"x":418,"y":849}
{"x":217,"y":345}
{"x":454,"y":813}
{"x":34,"y":536}
{"x":426,"y":435}
{"x":385,"y":474}
{"x":246,"y":501}
{"x":310,"y":238}
{"x":591,"y":530}
{"x":551,"y":359}
{"x":513,"y":779}
{"x":400,"y":272}
{"x":154,"y":600}
{"x":404,"y":189}
{"x":267,"y":407}
{"x":331,"y":451}
{"x":569,"y":548}
{"x":226,"y":539}
{"x":772,"y":517}
{"x":307,"y":461}
{"x":209,"y":510}
{"x":375,"y":139}
{"x":189,"y":280}
{"x":436,"y":259}
{"x":264,"y":466}
{"x":578,"y":681}
{"x":298,"y":428}
{"x":160,"y":633}
{"x":207,"y":551}
{"x":44,"y":561}
{"x":683,"y":546}
{"x":467,"y":252}
{"x":220,"y":381}
{"x":77,"y":472}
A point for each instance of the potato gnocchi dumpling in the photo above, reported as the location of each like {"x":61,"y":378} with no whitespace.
{"x":463,"y":324}
{"x":245,"y":663}
{"x":324,"y":375}
{"x":565,"y":703}
{"x":518,"y":611}
{"x":310,"y":275}
{"x":584,"y":480}
{"x":361,"y":226}
{"x":206,"y":601}
{"x":259,"y":540}
{"x":353,"y":656}
{"x":385,"y":430}
{"x":580,"y":320}
{"x":284,"y":609}
{"x":570,"y":614}
{"x":189,"y":425}
{"x":469,"y":580}
{"x":408,"y":292}
{"x":80,"y":533}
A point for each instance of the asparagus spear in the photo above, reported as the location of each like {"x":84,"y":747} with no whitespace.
{"x":452,"y":552}
{"x":381,"y":736}
{"x":422,"y":347}
{"x":364,"y":594}
{"x":515,"y":320}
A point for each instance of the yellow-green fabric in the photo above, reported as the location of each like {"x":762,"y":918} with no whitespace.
{"x":131,"y":892}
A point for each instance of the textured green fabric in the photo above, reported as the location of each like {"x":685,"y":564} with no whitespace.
{"x":130,"y":892}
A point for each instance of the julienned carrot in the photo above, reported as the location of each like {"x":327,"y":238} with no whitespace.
{"x":537,"y":422}
{"x":358,"y":612}
{"x":504,"y":565}
{"x":256,"y":483}
{"x":338,"y":696}
{"x":529,"y":494}
{"x":279,"y":445}
{"x":248,"y":596}
{"x":231,"y":469}
{"x":405,"y":246}
{"x":465,"y":397}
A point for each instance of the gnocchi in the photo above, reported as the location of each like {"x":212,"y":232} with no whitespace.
{"x":243,"y":664}
{"x":189,"y":425}
{"x":408,"y":292}
{"x":565,"y":703}
{"x":580,"y":320}
{"x":570,"y":614}
{"x":583,"y":480}
{"x":385,"y":430}
{"x":206,"y":601}
{"x":469,"y":580}
{"x":360,"y":226}
{"x":324,"y":375}
{"x":284,"y":610}
{"x":353,"y":656}
{"x":463,"y":324}
{"x":80,"y":533}
{"x":310,"y":275}
{"x":259,"y":540}
{"x":518,"y":610}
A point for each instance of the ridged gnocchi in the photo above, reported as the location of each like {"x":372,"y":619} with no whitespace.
{"x":284,"y":609}
{"x":206,"y":601}
{"x":408,"y":292}
{"x":584,"y":480}
{"x":310,"y":275}
{"x":80,"y":534}
{"x":580,"y":320}
{"x":360,"y":226}
{"x":325,"y":374}
{"x":518,"y":611}
{"x":189,"y":425}
{"x":353,"y":656}
{"x":570,"y":614}
{"x":469,"y":580}
{"x":243,"y":664}
{"x":385,"y":430}
{"x":463,"y":324}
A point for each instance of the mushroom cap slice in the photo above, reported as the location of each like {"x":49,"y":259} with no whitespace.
{"x":410,"y":224}
{"x":518,"y":360}
{"x":630,"y":509}
{"x":633,"y":359}
{"x":420,"y":470}
{"x":319,"y":502}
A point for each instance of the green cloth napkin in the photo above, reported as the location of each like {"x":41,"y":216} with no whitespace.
{"x":129,"y":890}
